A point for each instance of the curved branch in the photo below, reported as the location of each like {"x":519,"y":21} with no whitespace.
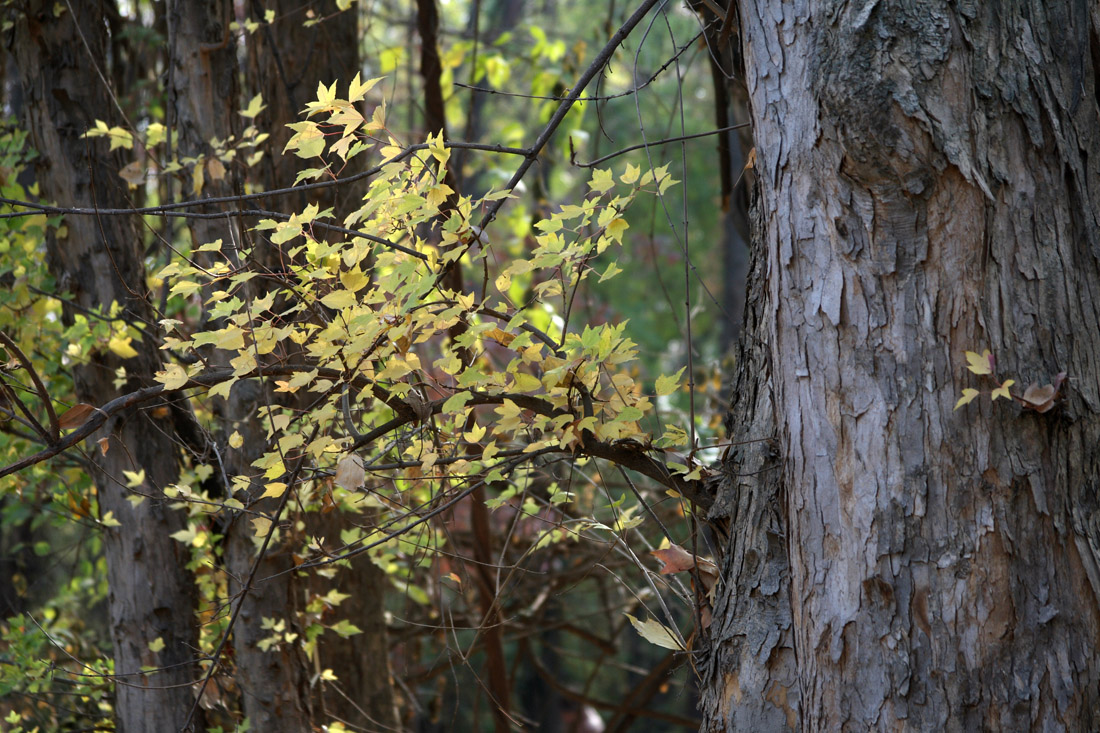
{"x":55,"y":428}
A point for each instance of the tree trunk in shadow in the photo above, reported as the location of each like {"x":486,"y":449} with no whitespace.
{"x":99,"y":261}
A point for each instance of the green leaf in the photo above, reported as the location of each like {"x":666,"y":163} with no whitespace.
{"x":667,"y":384}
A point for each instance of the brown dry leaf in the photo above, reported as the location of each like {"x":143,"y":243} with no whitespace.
{"x":75,"y":416}
{"x":104,"y":445}
{"x":501,"y":337}
{"x":675,"y":558}
{"x":750,"y":160}
{"x":421,"y":407}
{"x":133,"y":173}
{"x":350,"y":474}
{"x":215,"y":169}
{"x":1040,"y":399}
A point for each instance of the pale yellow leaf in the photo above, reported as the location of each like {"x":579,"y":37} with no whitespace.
{"x":980,"y":364}
{"x":967,"y":397}
{"x":1002,"y":391}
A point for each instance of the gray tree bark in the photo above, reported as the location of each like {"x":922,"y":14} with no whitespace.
{"x":927,"y":185}
{"x":99,"y":261}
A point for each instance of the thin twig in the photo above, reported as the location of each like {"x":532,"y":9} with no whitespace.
{"x":666,"y":141}
{"x":559,"y":115}
{"x":406,"y":152}
{"x":55,"y":427}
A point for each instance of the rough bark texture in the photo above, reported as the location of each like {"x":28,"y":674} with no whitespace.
{"x":928,"y":185}
{"x":98,"y":261}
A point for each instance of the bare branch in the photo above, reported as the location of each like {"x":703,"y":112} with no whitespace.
{"x":55,"y":428}
{"x":666,"y":141}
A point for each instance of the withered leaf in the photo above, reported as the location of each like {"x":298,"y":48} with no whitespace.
{"x":676,"y":560}
{"x":1041,"y":399}
{"x":75,"y":416}
{"x":350,"y":474}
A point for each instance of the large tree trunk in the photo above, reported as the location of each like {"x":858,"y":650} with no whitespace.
{"x":928,"y":185}
{"x":98,"y":260}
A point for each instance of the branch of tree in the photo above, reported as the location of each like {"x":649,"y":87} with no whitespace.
{"x":639,"y":146}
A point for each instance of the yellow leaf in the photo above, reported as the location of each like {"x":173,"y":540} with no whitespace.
{"x":632,"y":174}
{"x":275,"y":490}
{"x":261,"y":526}
{"x":354,"y":280}
{"x":121,"y":346}
{"x":338,"y":299}
{"x":967,"y":398}
{"x":274,"y":471}
{"x":527,"y":382}
{"x":173,"y":377}
{"x":1002,"y":391}
{"x":616,"y":229}
{"x":134,"y":478}
{"x":655,"y":632}
{"x":236,"y":440}
{"x":109,"y":520}
{"x":156,"y":644}
{"x":601,"y":180}
{"x":357,"y":91}
{"x":980,"y":364}
{"x":255,"y":107}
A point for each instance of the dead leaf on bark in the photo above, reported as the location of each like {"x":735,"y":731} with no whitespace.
{"x":215,"y":169}
{"x":75,"y":416}
{"x":1042,"y":399}
{"x":104,"y":445}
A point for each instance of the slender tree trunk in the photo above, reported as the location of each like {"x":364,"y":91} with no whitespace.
{"x":288,"y":60}
{"x":928,"y":185}
{"x":98,"y":261}
{"x":204,"y":99}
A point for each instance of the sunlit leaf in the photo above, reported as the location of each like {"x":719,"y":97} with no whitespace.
{"x":657,"y":633}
